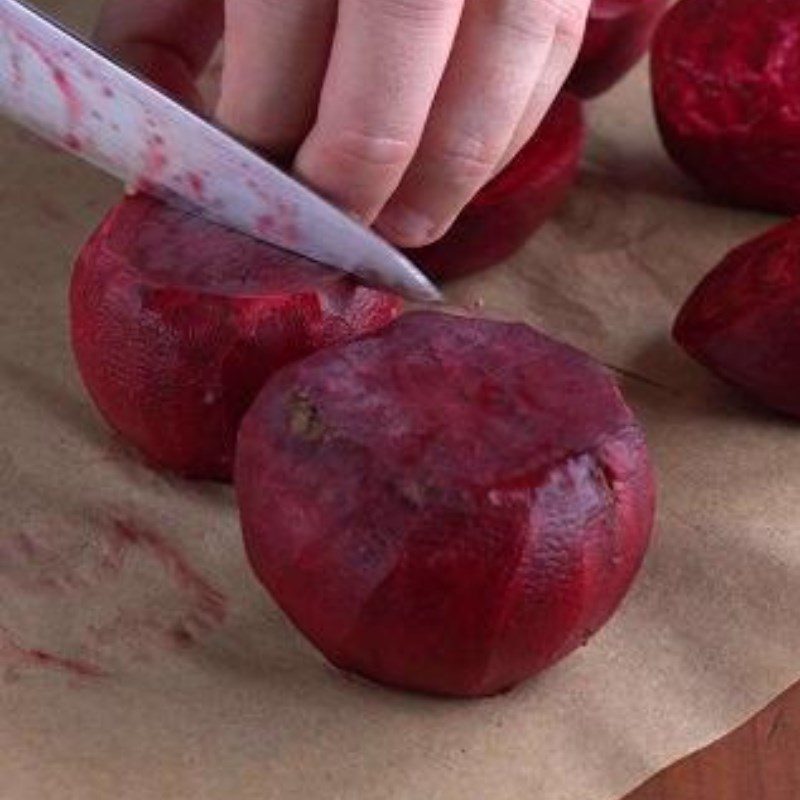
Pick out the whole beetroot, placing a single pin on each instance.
(177, 323)
(501, 217)
(449, 506)
(742, 320)
(726, 86)
(617, 35)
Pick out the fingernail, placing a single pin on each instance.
(405, 226)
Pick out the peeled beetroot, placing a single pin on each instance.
(726, 85)
(177, 323)
(617, 35)
(501, 217)
(742, 320)
(450, 505)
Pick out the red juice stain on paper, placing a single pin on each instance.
(15, 657)
(181, 636)
(76, 666)
(208, 602)
(95, 574)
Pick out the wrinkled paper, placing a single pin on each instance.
(139, 658)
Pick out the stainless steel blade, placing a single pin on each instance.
(60, 87)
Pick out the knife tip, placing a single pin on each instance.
(424, 291)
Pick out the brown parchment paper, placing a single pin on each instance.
(139, 659)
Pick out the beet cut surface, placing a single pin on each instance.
(177, 323)
(726, 87)
(743, 320)
(618, 33)
(450, 505)
(503, 216)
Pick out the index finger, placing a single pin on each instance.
(387, 60)
(276, 52)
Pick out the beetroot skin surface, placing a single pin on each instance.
(449, 506)
(501, 218)
(726, 86)
(618, 33)
(177, 323)
(742, 320)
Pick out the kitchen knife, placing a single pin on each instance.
(64, 90)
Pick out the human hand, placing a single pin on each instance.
(399, 111)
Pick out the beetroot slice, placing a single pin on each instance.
(618, 33)
(742, 320)
(177, 323)
(726, 87)
(501, 217)
(450, 505)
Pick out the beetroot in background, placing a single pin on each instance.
(177, 323)
(743, 320)
(617, 35)
(450, 505)
(726, 87)
(502, 217)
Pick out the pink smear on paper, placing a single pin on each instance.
(207, 601)
(88, 577)
(14, 655)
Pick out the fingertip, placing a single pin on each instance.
(406, 226)
(356, 171)
(276, 57)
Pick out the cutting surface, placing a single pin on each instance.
(139, 658)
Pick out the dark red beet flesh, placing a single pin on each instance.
(449, 506)
(742, 321)
(726, 87)
(501, 217)
(177, 323)
(618, 34)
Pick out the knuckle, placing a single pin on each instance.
(523, 18)
(569, 37)
(535, 20)
(417, 11)
(353, 147)
(563, 12)
(468, 159)
(571, 28)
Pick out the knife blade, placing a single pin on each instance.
(72, 95)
